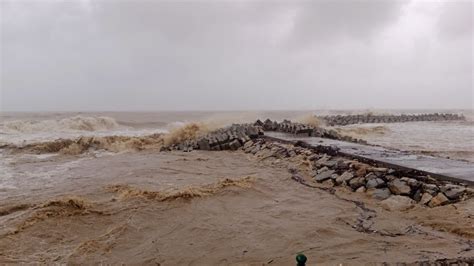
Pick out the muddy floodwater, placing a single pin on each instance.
(119, 199)
(207, 208)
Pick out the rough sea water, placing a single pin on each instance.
(452, 139)
(114, 199)
(447, 138)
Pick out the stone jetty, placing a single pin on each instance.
(396, 189)
(343, 120)
(234, 136)
(300, 129)
(229, 138)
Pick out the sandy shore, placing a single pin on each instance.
(213, 208)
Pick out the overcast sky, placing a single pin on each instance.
(235, 55)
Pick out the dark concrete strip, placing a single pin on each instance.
(440, 168)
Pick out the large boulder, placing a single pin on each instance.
(268, 125)
(379, 193)
(411, 182)
(399, 187)
(248, 144)
(425, 198)
(453, 192)
(252, 132)
(344, 178)
(329, 163)
(397, 203)
(324, 175)
(258, 123)
(375, 183)
(357, 182)
(234, 145)
(430, 188)
(204, 144)
(439, 200)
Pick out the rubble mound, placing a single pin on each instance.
(304, 130)
(234, 136)
(229, 138)
(343, 120)
(396, 189)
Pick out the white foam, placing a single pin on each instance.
(20, 139)
(70, 124)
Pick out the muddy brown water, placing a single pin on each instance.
(110, 209)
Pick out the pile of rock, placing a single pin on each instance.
(381, 183)
(305, 130)
(389, 185)
(233, 137)
(342, 120)
(229, 138)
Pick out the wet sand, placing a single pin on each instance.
(211, 208)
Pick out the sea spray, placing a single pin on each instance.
(189, 131)
(310, 120)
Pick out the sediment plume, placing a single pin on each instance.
(127, 192)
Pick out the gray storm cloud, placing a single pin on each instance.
(160, 55)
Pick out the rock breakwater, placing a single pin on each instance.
(396, 189)
(343, 120)
(229, 138)
(236, 135)
(304, 130)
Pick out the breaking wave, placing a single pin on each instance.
(76, 123)
(113, 143)
(84, 144)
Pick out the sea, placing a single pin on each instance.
(448, 139)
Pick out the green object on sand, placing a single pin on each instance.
(301, 260)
